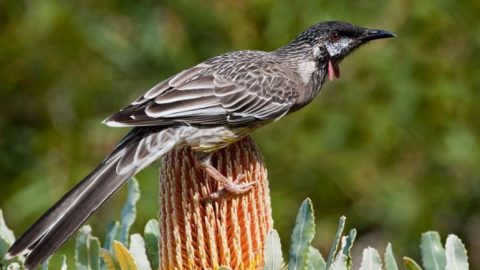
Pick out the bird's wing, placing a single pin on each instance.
(203, 95)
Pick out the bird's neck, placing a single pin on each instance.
(309, 65)
(311, 90)
(293, 52)
(311, 70)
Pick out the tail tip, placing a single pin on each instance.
(11, 254)
(105, 121)
(112, 123)
(8, 256)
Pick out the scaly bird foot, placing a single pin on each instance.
(229, 187)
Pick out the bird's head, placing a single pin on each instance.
(332, 41)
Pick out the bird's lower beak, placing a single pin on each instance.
(373, 34)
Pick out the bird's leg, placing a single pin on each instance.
(229, 187)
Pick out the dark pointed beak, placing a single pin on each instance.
(372, 34)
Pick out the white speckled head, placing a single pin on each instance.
(329, 43)
(337, 38)
(337, 48)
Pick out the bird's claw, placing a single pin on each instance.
(231, 188)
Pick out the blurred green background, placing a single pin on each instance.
(394, 144)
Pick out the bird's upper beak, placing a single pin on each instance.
(372, 34)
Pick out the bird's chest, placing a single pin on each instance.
(212, 139)
(311, 74)
(312, 78)
(306, 70)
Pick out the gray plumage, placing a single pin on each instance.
(206, 107)
(234, 89)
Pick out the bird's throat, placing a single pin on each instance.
(333, 71)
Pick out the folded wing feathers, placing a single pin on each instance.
(180, 107)
(173, 96)
(187, 75)
(153, 92)
(203, 82)
(238, 101)
(195, 96)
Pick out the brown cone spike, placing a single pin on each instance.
(229, 232)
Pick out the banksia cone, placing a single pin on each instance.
(229, 232)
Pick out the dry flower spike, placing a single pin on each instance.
(229, 232)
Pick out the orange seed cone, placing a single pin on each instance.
(229, 232)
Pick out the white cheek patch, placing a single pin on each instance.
(306, 69)
(336, 48)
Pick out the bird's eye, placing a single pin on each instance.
(334, 37)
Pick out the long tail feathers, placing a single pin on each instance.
(138, 149)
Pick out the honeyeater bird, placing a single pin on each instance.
(205, 107)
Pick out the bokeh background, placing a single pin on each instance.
(394, 144)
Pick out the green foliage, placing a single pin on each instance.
(87, 250)
(302, 237)
(434, 256)
(143, 254)
(273, 251)
(138, 251)
(129, 211)
(336, 240)
(390, 262)
(112, 234)
(152, 237)
(124, 257)
(371, 260)
(109, 260)
(456, 253)
(115, 255)
(410, 264)
(315, 260)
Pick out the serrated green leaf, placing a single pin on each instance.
(87, 250)
(433, 254)
(224, 268)
(273, 251)
(315, 260)
(64, 263)
(109, 260)
(371, 260)
(302, 236)
(137, 249)
(390, 262)
(349, 242)
(152, 236)
(347, 246)
(336, 240)
(340, 262)
(6, 236)
(124, 258)
(94, 253)
(410, 264)
(129, 210)
(81, 248)
(113, 231)
(456, 254)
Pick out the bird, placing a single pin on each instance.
(206, 107)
